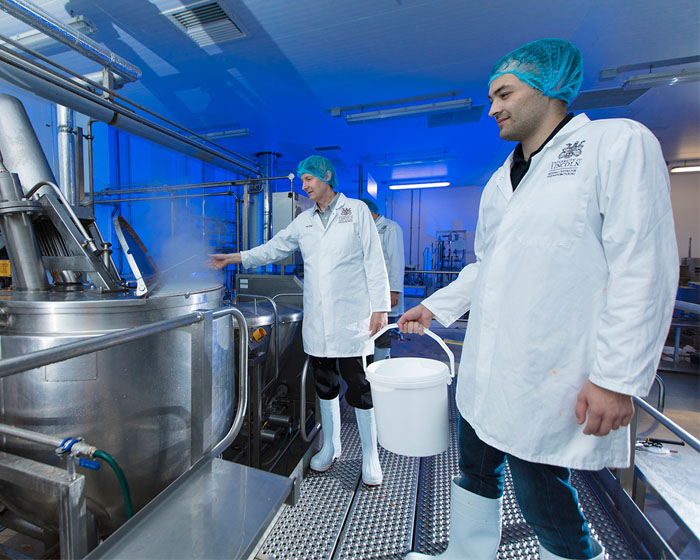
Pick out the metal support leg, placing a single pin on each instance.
(626, 476)
(53, 482)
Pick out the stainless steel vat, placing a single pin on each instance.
(132, 401)
(259, 313)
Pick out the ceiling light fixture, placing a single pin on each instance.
(419, 185)
(652, 79)
(416, 161)
(36, 40)
(409, 111)
(220, 134)
(684, 166)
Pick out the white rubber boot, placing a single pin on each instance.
(381, 353)
(598, 550)
(475, 527)
(330, 423)
(367, 426)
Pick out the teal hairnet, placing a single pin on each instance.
(318, 166)
(371, 205)
(552, 66)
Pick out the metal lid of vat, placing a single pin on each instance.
(144, 268)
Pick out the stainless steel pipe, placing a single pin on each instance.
(18, 364)
(65, 121)
(668, 423)
(47, 24)
(80, 446)
(20, 72)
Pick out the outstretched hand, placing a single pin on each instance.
(220, 260)
(606, 410)
(415, 320)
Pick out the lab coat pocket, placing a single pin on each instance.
(554, 214)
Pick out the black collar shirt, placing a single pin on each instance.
(520, 165)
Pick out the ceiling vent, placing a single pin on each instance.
(207, 23)
(328, 148)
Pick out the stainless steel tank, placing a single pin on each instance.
(132, 401)
(260, 314)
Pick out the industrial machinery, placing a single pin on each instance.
(133, 400)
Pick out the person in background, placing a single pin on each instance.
(392, 246)
(570, 301)
(346, 299)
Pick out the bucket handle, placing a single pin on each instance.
(430, 333)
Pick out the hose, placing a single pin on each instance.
(120, 476)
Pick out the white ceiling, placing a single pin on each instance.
(303, 57)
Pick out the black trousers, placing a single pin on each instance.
(327, 373)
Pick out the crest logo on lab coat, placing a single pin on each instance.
(572, 150)
(345, 215)
(568, 161)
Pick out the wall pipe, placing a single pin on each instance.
(47, 24)
(22, 72)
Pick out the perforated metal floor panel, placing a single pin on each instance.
(338, 517)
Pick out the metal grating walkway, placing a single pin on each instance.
(338, 517)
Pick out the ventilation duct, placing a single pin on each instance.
(206, 23)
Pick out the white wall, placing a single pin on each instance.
(423, 212)
(685, 200)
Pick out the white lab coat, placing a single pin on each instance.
(392, 246)
(345, 279)
(575, 279)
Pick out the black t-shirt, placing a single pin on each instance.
(520, 165)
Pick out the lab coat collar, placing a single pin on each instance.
(504, 184)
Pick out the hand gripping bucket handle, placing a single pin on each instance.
(430, 333)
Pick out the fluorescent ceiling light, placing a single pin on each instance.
(235, 133)
(37, 41)
(409, 111)
(643, 81)
(684, 165)
(685, 169)
(416, 161)
(419, 186)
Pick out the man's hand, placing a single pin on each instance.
(415, 319)
(377, 322)
(394, 298)
(220, 260)
(607, 410)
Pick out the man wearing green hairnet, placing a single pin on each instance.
(570, 301)
(346, 300)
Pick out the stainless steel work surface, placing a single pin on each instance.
(217, 510)
(674, 477)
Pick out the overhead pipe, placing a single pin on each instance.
(47, 24)
(23, 73)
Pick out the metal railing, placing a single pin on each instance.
(69, 486)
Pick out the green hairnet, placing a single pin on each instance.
(552, 66)
(371, 205)
(318, 166)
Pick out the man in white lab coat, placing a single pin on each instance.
(346, 299)
(391, 237)
(570, 302)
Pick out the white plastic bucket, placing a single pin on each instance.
(411, 401)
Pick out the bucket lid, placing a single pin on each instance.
(408, 373)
